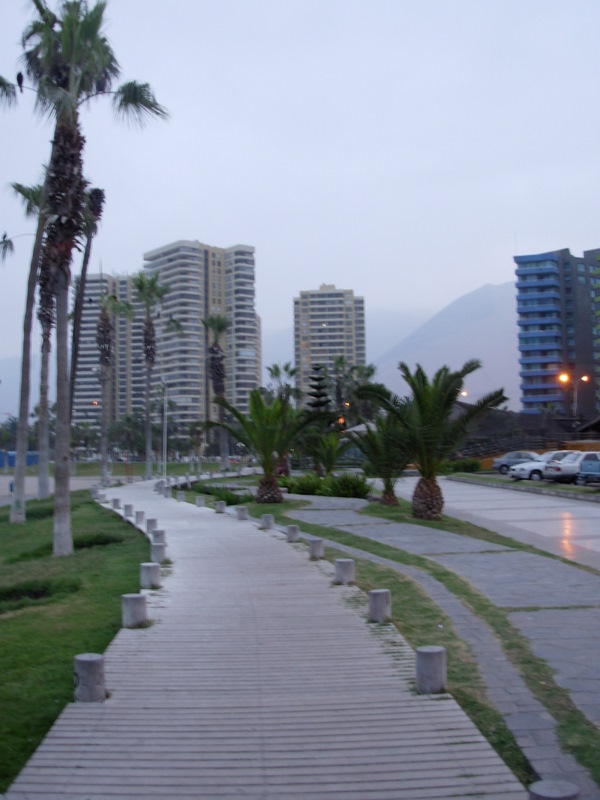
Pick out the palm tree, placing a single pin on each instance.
(150, 294)
(104, 339)
(30, 197)
(284, 382)
(268, 431)
(6, 247)
(330, 448)
(217, 325)
(435, 425)
(69, 61)
(386, 446)
(92, 215)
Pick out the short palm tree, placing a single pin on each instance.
(329, 449)
(150, 294)
(69, 61)
(267, 432)
(386, 446)
(435, 425)
(216, 325)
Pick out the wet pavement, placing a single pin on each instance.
(555, 604)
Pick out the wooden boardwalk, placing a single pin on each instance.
(258, 679)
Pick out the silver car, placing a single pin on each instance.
(535, 470)
(503, 463)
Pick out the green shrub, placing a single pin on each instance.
(350, 484)
(344, 485)
(231, 497)
(461, 465)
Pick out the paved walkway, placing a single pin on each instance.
(258, 679)
(555, 605)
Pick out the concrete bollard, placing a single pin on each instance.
(344, 571)
(242, 512)
(149, 575)
(139, 517)
(133, 610)
(221, 505)
(167, 491)
(380, 605)
(266, 522)
(317, 549)
(187, 480)
(116, 503)
(200, 501)
(158, 552)
(553, 790)
(89, 678)
(151, 525)
(159, 537)
(431, 669)
(293, 533)
(128, 510)
(101, 498)
(158, 485)
(180, 497)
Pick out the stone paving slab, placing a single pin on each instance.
(574, 654)
(415, 539)
(258, 679)
(519, 580)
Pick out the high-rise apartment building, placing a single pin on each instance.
(558, 298)
(328, 323)
(202, 281)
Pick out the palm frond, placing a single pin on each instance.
(30, 197)
(135, 101)
(8, 92)
(6, 247)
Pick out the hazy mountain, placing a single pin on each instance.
(482, 325)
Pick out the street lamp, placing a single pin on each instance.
(565, 378)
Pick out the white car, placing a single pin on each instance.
(567, 470)
(536, 470)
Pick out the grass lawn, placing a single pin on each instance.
(51, 609)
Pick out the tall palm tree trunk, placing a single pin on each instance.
(44, 427)
(77, 315)
(17, 511)
(104, 426)
(63, 540)
(148, 423)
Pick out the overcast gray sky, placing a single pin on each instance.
(403, 149)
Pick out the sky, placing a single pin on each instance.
(405, 149)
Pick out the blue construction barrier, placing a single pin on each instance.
(32, 458)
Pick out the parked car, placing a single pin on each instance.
(589, 472)
(567, 470)
(503, 463)
(534, 470)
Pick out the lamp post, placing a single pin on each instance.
(565, 378)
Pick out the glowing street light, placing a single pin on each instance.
(565, 378)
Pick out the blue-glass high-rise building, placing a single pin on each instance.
(558, 332)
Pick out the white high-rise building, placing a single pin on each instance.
(202, 281)
(328, 323)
